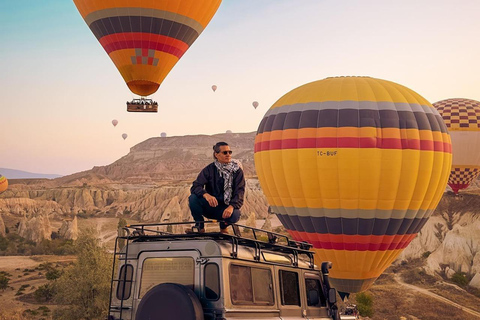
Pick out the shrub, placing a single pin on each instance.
(4, 281)
(426, 254)
(84, 287)
(460, 279)
(44, 293)
(364, 304)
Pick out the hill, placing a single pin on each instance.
(19, 174)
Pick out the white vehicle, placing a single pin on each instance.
(217, 276)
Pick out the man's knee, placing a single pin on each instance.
(235, 216)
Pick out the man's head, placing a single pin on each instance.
(222, 152)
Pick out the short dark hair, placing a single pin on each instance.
(216, 147)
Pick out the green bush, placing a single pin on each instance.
(4, 281)
(426, 254)
(364, 304)
(44, 293)
(460, 279)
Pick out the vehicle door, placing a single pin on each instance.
(154, 268)
(316, 302)
(289, 293)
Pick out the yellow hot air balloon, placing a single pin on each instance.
(3, 183)
(462, 117)
(355, 166)
(145, 39)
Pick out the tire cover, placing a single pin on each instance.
(169, 301)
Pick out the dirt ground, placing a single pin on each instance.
(24, 272)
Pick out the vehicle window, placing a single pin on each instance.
(289, 288)
(314, 284)
(125, 277)
(241, 284)
(262, 286)
(212, 281)
(162, 270)
(251, 285)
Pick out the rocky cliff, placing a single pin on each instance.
(451, 239)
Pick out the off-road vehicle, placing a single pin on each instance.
(215, 276)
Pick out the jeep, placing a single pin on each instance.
(216, 276)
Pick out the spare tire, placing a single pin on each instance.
(170, 301)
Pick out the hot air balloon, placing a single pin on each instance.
(228, 131)
(145, 39)
(214, 88)
(255, 104)
(354, 166)
(163, 135)
(114, 122)
(462, 117)
(3, 183)
(124, 136)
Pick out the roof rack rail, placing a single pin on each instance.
(274, 241)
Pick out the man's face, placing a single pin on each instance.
(225, 154)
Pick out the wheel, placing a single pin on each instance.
(169, 301)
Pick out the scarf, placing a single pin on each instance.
(226, 171)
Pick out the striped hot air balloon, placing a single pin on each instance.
(462, 117)
(355, 166)
(145, 39)
(3, 183)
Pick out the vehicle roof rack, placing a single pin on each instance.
(274, 241)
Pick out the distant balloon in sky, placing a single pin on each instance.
(144, 38)
(214, 88)
(354, 166)
(229, 131)
(114, 122)
(163, 135)
(3, 183)
(255, 104)
(124, 136)
(462, 117)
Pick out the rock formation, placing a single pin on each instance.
(35, 229)
(2, 227)
(69, 229)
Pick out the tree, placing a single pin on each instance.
(84, 287)
(364, 304)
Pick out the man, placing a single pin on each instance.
(218, 191)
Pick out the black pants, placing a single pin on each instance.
(200, 208)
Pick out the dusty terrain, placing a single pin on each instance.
(26, 273)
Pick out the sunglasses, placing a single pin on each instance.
(226, 152)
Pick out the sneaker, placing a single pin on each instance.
(194, 230)
(224, 231)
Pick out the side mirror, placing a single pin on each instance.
(313, 298)
(332, 296)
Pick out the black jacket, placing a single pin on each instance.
(209, 181)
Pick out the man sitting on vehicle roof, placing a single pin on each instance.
(218, 191)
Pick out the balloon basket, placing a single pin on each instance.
(142, 105)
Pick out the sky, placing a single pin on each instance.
(59, 90)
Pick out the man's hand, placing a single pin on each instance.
(227, 213)
(212, 201)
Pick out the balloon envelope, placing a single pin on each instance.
(462, 117)
(3, 183)
(114, 122)
(255, 104)
(214, 88)
(163, 135)
(124, 136)
(145, 39)
(355, 166)
(228, 131)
